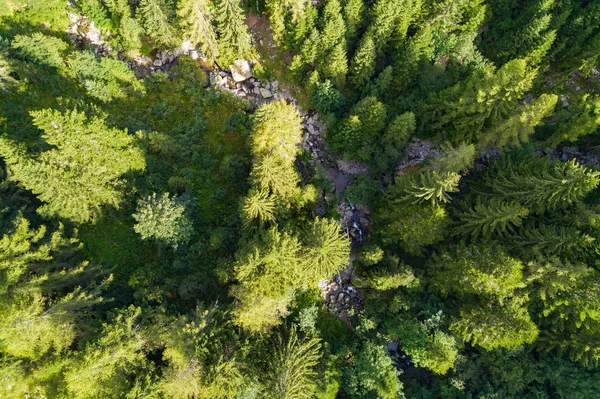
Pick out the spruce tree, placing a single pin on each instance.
(163, 219)
(520, 127)
(327, 249)
(289, 370)
(462, 112)
(268, 270)
(544, 241)
(84, 170)
(539, 184)
(491, 326)
(480, 270)
(429, 186)
(156, 23)
(363, 62)
(195, 18)
(354, 16)
(40, 49)
(580, 120)
(234, 38)
(489, 219)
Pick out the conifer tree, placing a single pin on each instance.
(463, 111)
(40, 49)
(354, 16)
(490, 219)
(521, 32)
(414, 227)
(195, 18)
(234, 39)
(520, 127)
(327, 250)
(546, 241)
(363, 62)
(289, 370)
(163, 219)
(478, 270)
(491, 326)
(582, 119)
(84, 170)
(268, 270)
(155, 21)
(259, 206)
(429, 186)
(456, 160)
(277, 10)
(540, 184)
(108, 367)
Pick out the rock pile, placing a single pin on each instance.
(82, 31)
(343, 300)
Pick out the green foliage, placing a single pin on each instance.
(84, 170)
(155, 20)
(414, 227)
(440, 353)
(326, 98)
(40, 49)
(105, 79)
(267, 269)
(478, 270)
(427, 187)
(327, 249)
(539, 184)
(195, 18)
(487, 220)
(372, 374)
(234, 39)
(289, 370)
(163, 219)
(582, 120)
(454, 160)
(492, 326)
(106, 367)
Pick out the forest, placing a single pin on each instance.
(300, 199)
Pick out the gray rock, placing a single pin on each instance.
(194, 54)
(266, 93)
(392, 347)
(275, 85)
(240, 70)
(157, 63)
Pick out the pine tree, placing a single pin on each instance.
(289, 370)
(327, 250)
(268, 269)
(539, 184)
(363, 62)
(332, 61)
(581, 120)
(546, 241)
(163, 219)
(491, 326)
(234, 39)
(195, 18)
(520, 127)
(429, 186)
(489, 219)
(155, 21)
(354, 16)
(84, 170)
(40, 49)
(478, 270)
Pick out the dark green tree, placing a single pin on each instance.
(84, 170)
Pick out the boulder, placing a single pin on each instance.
(240, 70)
(266, 93)
(194, 54)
